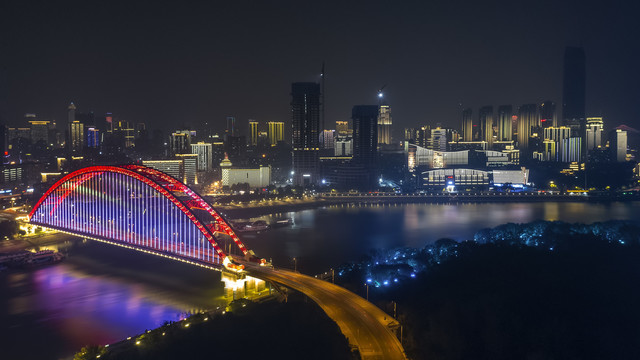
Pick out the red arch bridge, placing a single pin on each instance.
(144, 209)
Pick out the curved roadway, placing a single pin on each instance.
(364, 324)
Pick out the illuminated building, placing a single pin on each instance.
(384, 125)
(328, 139)
(182, 168)
(548, 115)
(618, 145)
(467, 125)
(342, 128)
(253, 133)
(439, 139)
(190, 164)
(505, 112)
(485, 118)
(231, 129)
(256, 177)
(205, 155)
(39, 131)
(180, 142)
(343, 146)
(365, 137)
(125, 132)
(594, 132)
(571, 150)
(528, 122)
(275, 132)
(93, 137)
(305, 121)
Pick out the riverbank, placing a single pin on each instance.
(257, 208)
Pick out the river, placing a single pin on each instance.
(102, 293)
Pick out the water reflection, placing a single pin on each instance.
(328, 237)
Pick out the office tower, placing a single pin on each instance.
(305, 124)
(342, 128)
(467, 125)
(548, 114)
(180, 142)
(71, 113)
(410, 135)
(190, 164)
(505, 133)
(108, 119)
(343, 146)
(327, 140)
(39, 131)
(485, 118)
(528, 121)
(574, 87)
(618, 145)
(594, 132)
(439, 139)
(231, 129)
(384, 125)
(253, 133)
(570, 150)
(365, 135)
(205, 155)
(93, 137)
(276, 132)
(125, 133)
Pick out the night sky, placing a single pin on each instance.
(166, 64)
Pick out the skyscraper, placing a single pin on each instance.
(365, 135)
(485, 117)
(231, 129)
(574, 85)
(528, 121)
(384, 125)
(205, 155)
(253, 133)
(467, 125)
(594, 132)
(180, 142)
(505, 112)
(618, 145)
(548, 115)
(276, 132)
(305, 124)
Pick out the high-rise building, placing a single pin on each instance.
(231, 129)
(528, 121)
(548, 115)
(305, 124)
(384, 125)
(93, 137)
(439, 139)
(342, 128)
(574, 87)
(570, 150)
(205, 155)
(343, 146)
(76, 136)
(71, 113)
(594, 132)
(276, 132)
(467, 125)
(485, 118)
(365, 135)
(505, 112)
(328, 137)
(618, 145)
(253, 133)
(40, 131)
(125, 133)
(180, 142)
(190, 162)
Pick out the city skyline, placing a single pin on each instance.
(133, 74)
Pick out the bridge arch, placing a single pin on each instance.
(136, 206)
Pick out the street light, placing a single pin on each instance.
(367, 286)
(295, 265)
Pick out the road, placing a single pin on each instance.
(363, 323)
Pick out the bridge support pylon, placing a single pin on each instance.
(239, 285)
